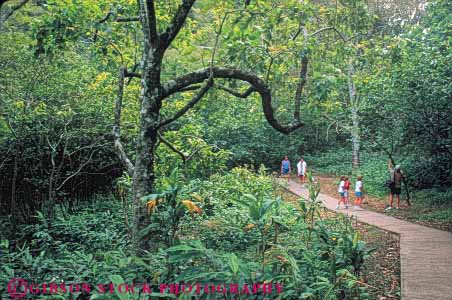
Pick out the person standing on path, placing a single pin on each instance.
(301, 170)
(341, 193)
(359, 189)
(286, 168)
(396, 185)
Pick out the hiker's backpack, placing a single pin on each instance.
(389, 183)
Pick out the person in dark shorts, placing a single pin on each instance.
(396, 185)
(286, 168)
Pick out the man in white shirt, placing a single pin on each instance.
(301, 169)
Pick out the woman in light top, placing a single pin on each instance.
(341, 193)
(359, 189)
(301, 170)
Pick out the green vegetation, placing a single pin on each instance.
(138, 137)
(238, 238)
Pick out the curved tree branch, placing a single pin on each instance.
(191, 88)
(132, 74)
(173, 86)
(172, 147)
(330, 28)
(206, 86)
(107, 16)
(117, 125)
(245, 94)
(185, 158)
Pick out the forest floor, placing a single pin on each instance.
(382, 269)
(416, 213)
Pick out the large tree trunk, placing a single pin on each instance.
(143, 176)
(143, 184)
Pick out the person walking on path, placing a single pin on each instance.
(395, 185)
(359, 189)
(286, 168)
(301, 170)
(346, 193)
(341, 193)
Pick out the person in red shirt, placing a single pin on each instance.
(346, 194)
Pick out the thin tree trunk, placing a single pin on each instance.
(51, 192)
(355, 132)
(13, 207)
(356, 139)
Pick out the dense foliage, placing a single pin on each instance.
(245, 234)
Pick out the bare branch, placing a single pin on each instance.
(185, 158)
(330, 28)
(86, 147)
(76, 172)
(105, 19)
(172, 147)
(132, 74)
(328, 129)
(134, 68)
(110, 43)
(127, 19)
(206, 86)
(338, 123)
(117, 19)
(190, 88)
(245, 94)
(5, 156)
(117, 125)
(196, 151)
(152, 21)
(177, 22)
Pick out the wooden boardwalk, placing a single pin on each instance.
(425, 253)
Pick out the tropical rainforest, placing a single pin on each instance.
(141, 141)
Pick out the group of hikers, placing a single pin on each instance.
(394, 184)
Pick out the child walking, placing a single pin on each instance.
(341, 192)
(359, 192)
(346, 194)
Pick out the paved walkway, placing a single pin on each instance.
(425, 253)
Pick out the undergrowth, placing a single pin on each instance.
(232, 228)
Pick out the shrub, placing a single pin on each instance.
(245, 234)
